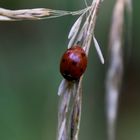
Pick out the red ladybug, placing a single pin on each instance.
(73, 63)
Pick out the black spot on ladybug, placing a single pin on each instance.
(74, 63)
(83, 54)
(63, 60)
(68, 53)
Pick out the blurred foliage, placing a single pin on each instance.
(29, 76)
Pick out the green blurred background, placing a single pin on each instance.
(29, 75)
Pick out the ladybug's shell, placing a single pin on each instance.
(73, 63)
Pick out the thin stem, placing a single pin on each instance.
(115, 68)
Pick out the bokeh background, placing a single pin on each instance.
(30, 52)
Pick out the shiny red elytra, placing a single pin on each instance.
(73, 63)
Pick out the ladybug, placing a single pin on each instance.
(73, 63)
